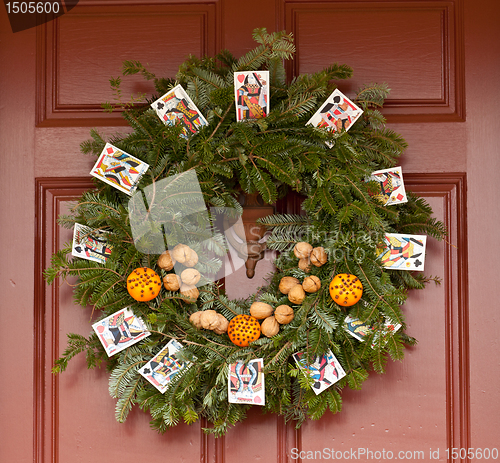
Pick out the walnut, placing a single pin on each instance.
(302, 250)
(190, 292)
(318, 256)
(287, 283)
(311, 284)
(181, 253)
(283, 314)
(165, 261)
(172, 282)
(270, 327)
(296, 295)
(305, 264)
(195, 319)
(190, 276)
(193, 259)
(261, 310)
(209, 319)
(222, 324)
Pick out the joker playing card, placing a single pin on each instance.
(337, 113)
(251, 92)
(160, 370)
(90, 244)
(402, 252)
(325, 370)
(120, 330)
(391, 189)
(119, 169)
(246, 383)
(176, 107)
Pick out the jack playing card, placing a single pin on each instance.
(176, 107)
(251, 89)
(246, 383)
(325, 370)
(160, 370)
(402, 252)
(391, 186)
(90, 244)
(119, 169)
(120, 330)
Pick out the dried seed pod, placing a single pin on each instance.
(287, 283)
(172, 282)
(305, 264)
(190, 276)
(181, 253)
(222, 324)
(166, 261)
(195, 319)
(296, 295)
(318, 256)
(261, 310)
(284, 314)
(190, 292)
(311, 284)
(270, 327)
(302, 250)
(193, 259)
(209, 319)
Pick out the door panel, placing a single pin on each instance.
(441, 60)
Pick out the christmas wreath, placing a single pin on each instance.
(152, 242)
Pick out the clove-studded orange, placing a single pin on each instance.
(143, 284)
(243, 329)
(346, 289)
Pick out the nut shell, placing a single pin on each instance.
(243, 329)
(311, 284)
(305, 264)
(193, 259)
(143, 284)
(318, 256)
(261, 310)
(166, 261)
(346, 289)
(209, 319)
(181, 253)
(296, 295)
(195, 319)
(284, 314)
(190, 276)
(190, 292)
(172, 282)
(270, 327)
(302, 250)
(222, 324)
(287, 283)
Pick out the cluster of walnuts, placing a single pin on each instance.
(308, 256)
(209, 320)
(189, 277)
(272, 318)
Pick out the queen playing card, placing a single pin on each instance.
(251, 89)
(90, 244)
(402, 252)
(175, 107)
(119, 169)
(120, 330)
(160, 370)
(337, 113)
(325, 370)
(391, 188)
(246, 383)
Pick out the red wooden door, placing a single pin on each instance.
(440, 57)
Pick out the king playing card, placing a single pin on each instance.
(119, 169)
(402, 252)
(251, 92)
(391, 188)
(246, 383)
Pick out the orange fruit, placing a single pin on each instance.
(143, 284)
(346, 289)
(243, 329)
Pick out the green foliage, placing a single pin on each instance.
(271, 157)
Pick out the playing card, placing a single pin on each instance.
(325, 370)
(175, 107)
(90, 244)
(120, 330)
(119, 169)
(402, 252)
(337, 113)
(360, 330)
(391, 186)
(246, 383)
(251, 92)
(160, 370)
